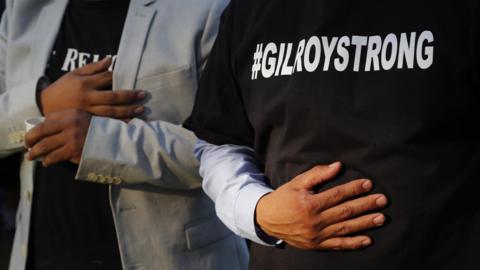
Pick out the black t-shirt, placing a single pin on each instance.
(72, 225)
(391, 89)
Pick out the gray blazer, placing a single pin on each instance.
(162, 217)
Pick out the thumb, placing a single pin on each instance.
(95, 67)
(317, 175)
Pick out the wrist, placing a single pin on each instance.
(259, 223)
(262, 231)
(42, 84)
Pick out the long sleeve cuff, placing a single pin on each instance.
(244, 212)
(94, 156)
(234, 182)
(156, 152)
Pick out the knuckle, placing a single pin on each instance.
(311, 241)
(342, 230)
(302, 180)
(307, 206)
(322, 222)
(357, 189)
(337, 194)
(346, 211)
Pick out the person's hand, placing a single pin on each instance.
(322, 221)
(59, 138)
(80, 89)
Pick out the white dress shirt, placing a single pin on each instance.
(232, 179)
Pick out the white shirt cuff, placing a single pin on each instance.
(244, 212)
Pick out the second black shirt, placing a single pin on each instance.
(72, 225)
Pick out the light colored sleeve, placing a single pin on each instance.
(232, 179)
(17, 102)
(157, 152)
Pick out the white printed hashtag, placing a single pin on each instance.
(257, 61)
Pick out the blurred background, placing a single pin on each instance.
(9, 191)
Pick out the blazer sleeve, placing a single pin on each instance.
(17, 102)
(156, 152)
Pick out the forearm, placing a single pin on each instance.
(157, 153)
(232, 179)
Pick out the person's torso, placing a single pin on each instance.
(162, 51)
(391, 90)
(72, 223)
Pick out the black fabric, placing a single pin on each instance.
(72, 225)
(411, 129)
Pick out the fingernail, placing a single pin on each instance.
(379, 220)
(138, 110)
(333, 165)
(141, 94)
(367, 185)
(366, 242)
(381, 201)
